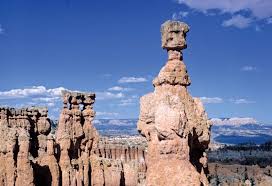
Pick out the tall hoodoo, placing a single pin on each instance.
(76, 137)
(174, 124)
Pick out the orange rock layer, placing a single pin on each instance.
(76, 156)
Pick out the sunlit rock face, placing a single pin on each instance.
(87, 159)
(26, 148)
(122, 161)
(75, 156)
(84, 158)
(76, 138)
(175, 124)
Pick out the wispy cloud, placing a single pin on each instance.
(51, 98)
(48, 101)
(127, 102)
(209, 100)
(254, 11)
(108, 95)
(248, 68)
(107, 114)
(31, 92)
(132, 80)
(32, 96)
(119, 88)
(238, 21)
(179, 15)
(242, 101)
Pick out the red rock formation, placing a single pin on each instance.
(26, 150)
(76, 137)
(124, 160)
(174, 124)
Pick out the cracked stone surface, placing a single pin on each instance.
(173, 122)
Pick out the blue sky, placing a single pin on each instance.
(113, 48)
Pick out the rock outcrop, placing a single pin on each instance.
(30, 155)
(175, 124)
(123, 161)
(26, 148)
(76, 138)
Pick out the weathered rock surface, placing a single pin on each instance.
(26, 148)
(30, 155)
(123, 161)
(76, 137)
(174, 124)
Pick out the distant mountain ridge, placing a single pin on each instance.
(233, 121)
(224, 130)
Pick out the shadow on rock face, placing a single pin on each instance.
(42, 175)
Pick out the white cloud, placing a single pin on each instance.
(32, 96)
(118, 88)
(132, 80)
(211, 100)
(238, 21)
(248, 68)
(241, 101)
(108, 95)
(254, 9)
(127, 102)
(51, 104)
(107, 114)
(29, 92)
(179, 15)
(46, 99)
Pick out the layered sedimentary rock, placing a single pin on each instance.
(123, 161)
(26, 148)
(174, 124)
(30, 155)
(76, 138)
(84, 158)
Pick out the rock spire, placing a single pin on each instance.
(175, 124)
(76, 137)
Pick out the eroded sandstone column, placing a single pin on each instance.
(77, 138)
(174, 124)
(26, 158)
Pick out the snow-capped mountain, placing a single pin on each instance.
(233, 121)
